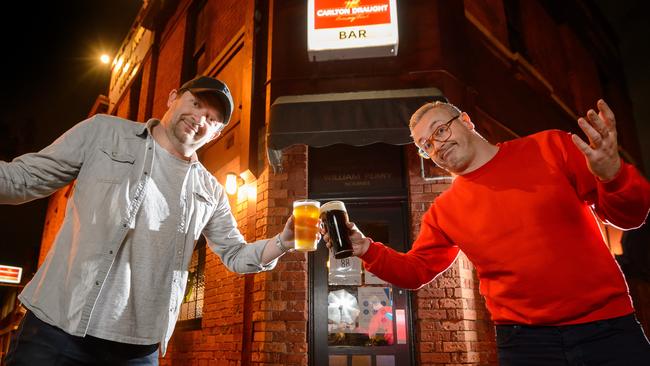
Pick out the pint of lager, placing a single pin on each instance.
(335, 219)
(305, 215)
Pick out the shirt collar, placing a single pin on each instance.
(146, 127)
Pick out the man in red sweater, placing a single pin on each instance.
(522, 211)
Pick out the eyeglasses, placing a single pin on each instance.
(441, 134)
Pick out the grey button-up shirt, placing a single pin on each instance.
(112, 159)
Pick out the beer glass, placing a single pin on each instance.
(335, 219)
(305, 215)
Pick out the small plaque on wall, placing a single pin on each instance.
(432, 173)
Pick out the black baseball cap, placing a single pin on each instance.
(206, 84)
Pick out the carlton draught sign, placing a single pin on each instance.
(340, 29)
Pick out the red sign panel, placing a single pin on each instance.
(10, 274)
(350, 13)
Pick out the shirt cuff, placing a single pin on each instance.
(269, 266)
(373, 252)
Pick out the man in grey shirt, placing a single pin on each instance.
(110, 289)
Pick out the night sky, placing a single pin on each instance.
(52, 77)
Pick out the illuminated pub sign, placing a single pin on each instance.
(342, 29)
(9, 274)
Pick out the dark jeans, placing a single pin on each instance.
(617, 341)
(38, 343)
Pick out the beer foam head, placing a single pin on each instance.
(306, 203)
(332, 205)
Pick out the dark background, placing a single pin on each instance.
(52, 76)
(629, 21)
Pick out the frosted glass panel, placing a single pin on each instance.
(360, 316)
(338, 360)
(385, 360)
(361, 360)
(346, 271)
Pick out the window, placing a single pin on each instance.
(191, 311)
(194, 57)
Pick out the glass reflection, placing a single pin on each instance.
(342, 311)
(360, 316)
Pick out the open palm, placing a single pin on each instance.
(602, 151)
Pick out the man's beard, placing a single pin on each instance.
(180, 133)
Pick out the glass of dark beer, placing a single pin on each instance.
(335, 219)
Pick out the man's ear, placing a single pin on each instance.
(464, 117)
(172, 97)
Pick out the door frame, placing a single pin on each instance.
(317, 344)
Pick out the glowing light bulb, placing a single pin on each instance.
(252, 191)
(231, 183)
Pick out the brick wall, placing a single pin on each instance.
(280, 309)
(122, 107)
(170, 61)
(147, 69)
(53, 219)
(218, 342)
(226, 19)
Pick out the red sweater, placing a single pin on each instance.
(525, 221)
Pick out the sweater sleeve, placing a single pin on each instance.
(623, 201)
(432, 254)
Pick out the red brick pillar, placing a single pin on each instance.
(54, 219)
(280, 310)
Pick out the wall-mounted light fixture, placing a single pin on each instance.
(242, 184)
(231, 183)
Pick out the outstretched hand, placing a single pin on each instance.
(602, 151)
(360, 243)
(287, 234)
